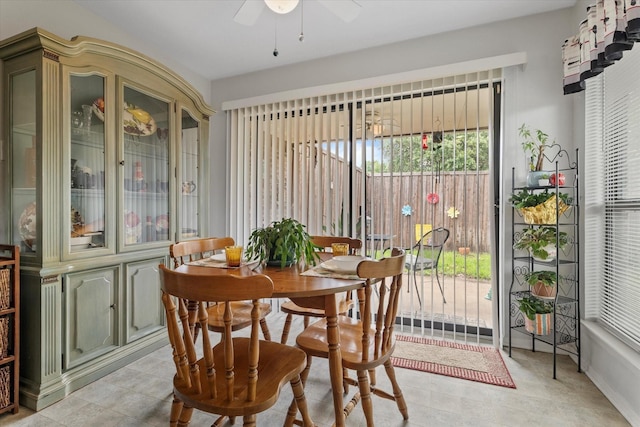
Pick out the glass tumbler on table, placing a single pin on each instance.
(233, 255)
(339, 249)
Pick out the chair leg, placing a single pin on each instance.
(397, 393)
(440, 285)
(303, 380)
(305, 372)
(176, 409)
(286, 328)
(306, 322)
(415, 284)
(345, 383)
(301, 402)
(265, 329)
(372, 377)
(249, 420)
(221, 420)
(185, 416)
(365, 396)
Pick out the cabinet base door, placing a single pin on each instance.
(144, 307)
(90, 315)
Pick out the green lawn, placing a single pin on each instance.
(474, 266)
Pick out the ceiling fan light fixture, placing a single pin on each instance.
(282, 6)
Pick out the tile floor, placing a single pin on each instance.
(140, 395)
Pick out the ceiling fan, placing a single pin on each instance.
(250, 11)
(378, 125)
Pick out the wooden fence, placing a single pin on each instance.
(468, 193)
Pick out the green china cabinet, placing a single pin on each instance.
(103, 164)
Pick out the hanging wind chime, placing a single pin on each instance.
(435, 147)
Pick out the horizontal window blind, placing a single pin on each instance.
(594, 198)
(613, 204)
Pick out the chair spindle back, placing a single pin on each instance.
(192, 293)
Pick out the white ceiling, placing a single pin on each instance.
(203, 35)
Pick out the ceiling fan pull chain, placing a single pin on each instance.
(275, 41)
(301, 36)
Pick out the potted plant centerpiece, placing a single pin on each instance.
(541, 242)
(538, 315)
(534, 145)
(540, 207)
(282, 243)
(543, 283)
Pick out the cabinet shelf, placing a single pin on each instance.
(548, 263)
(145, 195)
(560, 341)
(6, 361)
(565, 333)
(7, 311)
(559, 224)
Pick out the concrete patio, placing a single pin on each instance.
(466, 298)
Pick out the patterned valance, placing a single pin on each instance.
(610, 28)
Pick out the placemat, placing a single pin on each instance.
(208, 262)
(319, 271)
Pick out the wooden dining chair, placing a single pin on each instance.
(368, 341)
(193, 250)
(293, 309)
(239, 376)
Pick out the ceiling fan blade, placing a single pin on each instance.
(347, 10)
(249, 12)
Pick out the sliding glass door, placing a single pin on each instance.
(386, 165)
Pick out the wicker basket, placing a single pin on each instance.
(5, 387)
(5, 288)
(4, 337)
(544, 213)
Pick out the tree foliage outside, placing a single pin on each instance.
(458, 152)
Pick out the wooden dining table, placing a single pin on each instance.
(306, 291)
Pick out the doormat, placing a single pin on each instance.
(469, 362)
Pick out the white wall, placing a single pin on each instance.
(532, 94)
(536, 94)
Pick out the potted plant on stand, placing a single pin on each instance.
(543, 283)
(282, 243)
(541, 207)
(538, 315)
(534, 145)
(542, 242)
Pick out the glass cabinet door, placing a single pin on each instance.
(87, 162)
(22, 115)
(146, 134)
(189, 207)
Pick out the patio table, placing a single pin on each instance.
(379, 241)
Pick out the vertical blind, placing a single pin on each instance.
(612, 283)
(312, 158)
(291, 159)
(375, 164)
